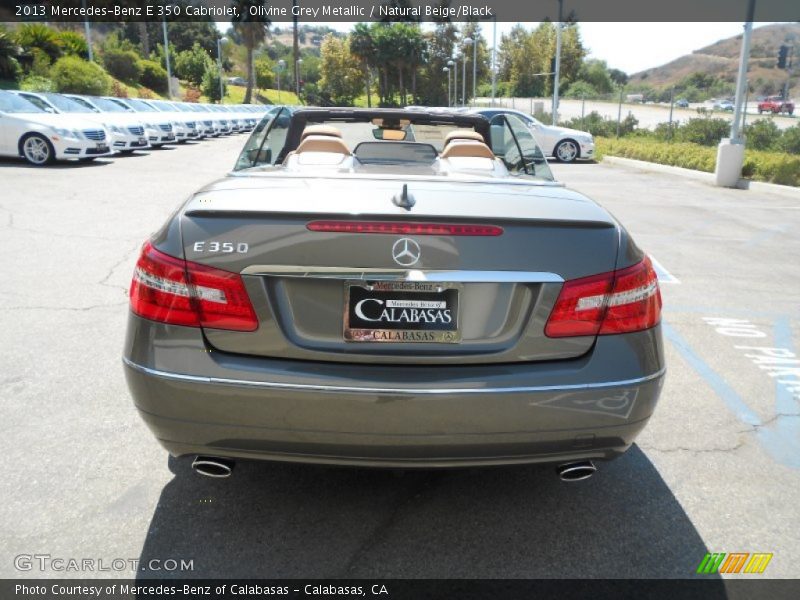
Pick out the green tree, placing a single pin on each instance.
(123, 64)
(73, 43)
(341, 80)
(362, 48)
(790, 140)
(253, 31)
(762, 134)
(432, 86)
(210, 85)
(265, 72)
(73, 75)
(472, 31)
(154, 76)
(38, 35)
(10, 53)
(192, 64)
(595, 73)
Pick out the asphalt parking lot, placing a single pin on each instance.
(717, 469)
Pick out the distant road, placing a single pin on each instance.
(649, 115)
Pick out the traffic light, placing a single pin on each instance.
(783, 54)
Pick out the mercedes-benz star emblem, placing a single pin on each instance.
(406, 252)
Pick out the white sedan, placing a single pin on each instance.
(563, 144)
(41, 137)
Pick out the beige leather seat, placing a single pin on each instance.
(322, 143)
(320, 130)
(463, 134)
(467, 148)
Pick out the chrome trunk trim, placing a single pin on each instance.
(306, 387)
(373, 274)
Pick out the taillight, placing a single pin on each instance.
(179, 292)
(617, 302)
(404, 228)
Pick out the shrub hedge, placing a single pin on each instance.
(772, 167)
(73, 75)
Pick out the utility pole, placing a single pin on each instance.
(451, 65)
(730, 152)
(166, 57)
(447, 70)
(558, 62)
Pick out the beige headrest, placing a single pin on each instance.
(459, 148)
(320, 130)
(322, 143)
(463, 134)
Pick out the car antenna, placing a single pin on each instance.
(404, 200)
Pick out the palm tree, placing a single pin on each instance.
(9, 53)
(362, 46)
(253, 31)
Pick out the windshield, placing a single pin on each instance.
(163, 106)
(11, 103)
(139, 106)
(67, 105)
(108, 105)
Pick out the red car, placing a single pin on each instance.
(775, 104)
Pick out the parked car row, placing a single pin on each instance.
(43, 127)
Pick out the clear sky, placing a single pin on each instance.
(630, 47)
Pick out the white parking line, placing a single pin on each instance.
(664, 276)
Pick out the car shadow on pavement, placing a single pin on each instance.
(7, 162)
(295, 521)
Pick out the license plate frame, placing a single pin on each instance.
(401, 297)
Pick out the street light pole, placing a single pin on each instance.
(730, 152)
(494, 57)
(467, 42)
(281, 67)
(455, 81)
(558, 63)
(297, 76)
(88, 31)
(219, 65)
(450, 66)
(166, 57)
(474, 68)
(741, 81)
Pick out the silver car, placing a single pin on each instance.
(393, 288)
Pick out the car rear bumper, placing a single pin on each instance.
(199, 401)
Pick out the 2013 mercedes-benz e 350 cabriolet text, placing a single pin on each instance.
(393, 288)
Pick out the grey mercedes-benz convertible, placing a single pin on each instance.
(393, 288)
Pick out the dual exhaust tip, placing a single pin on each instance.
(211, 466)
(222, 468)
(576, 471)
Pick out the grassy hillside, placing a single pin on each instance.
(721, 60)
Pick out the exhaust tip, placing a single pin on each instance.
(576, 471)
(211, 466)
